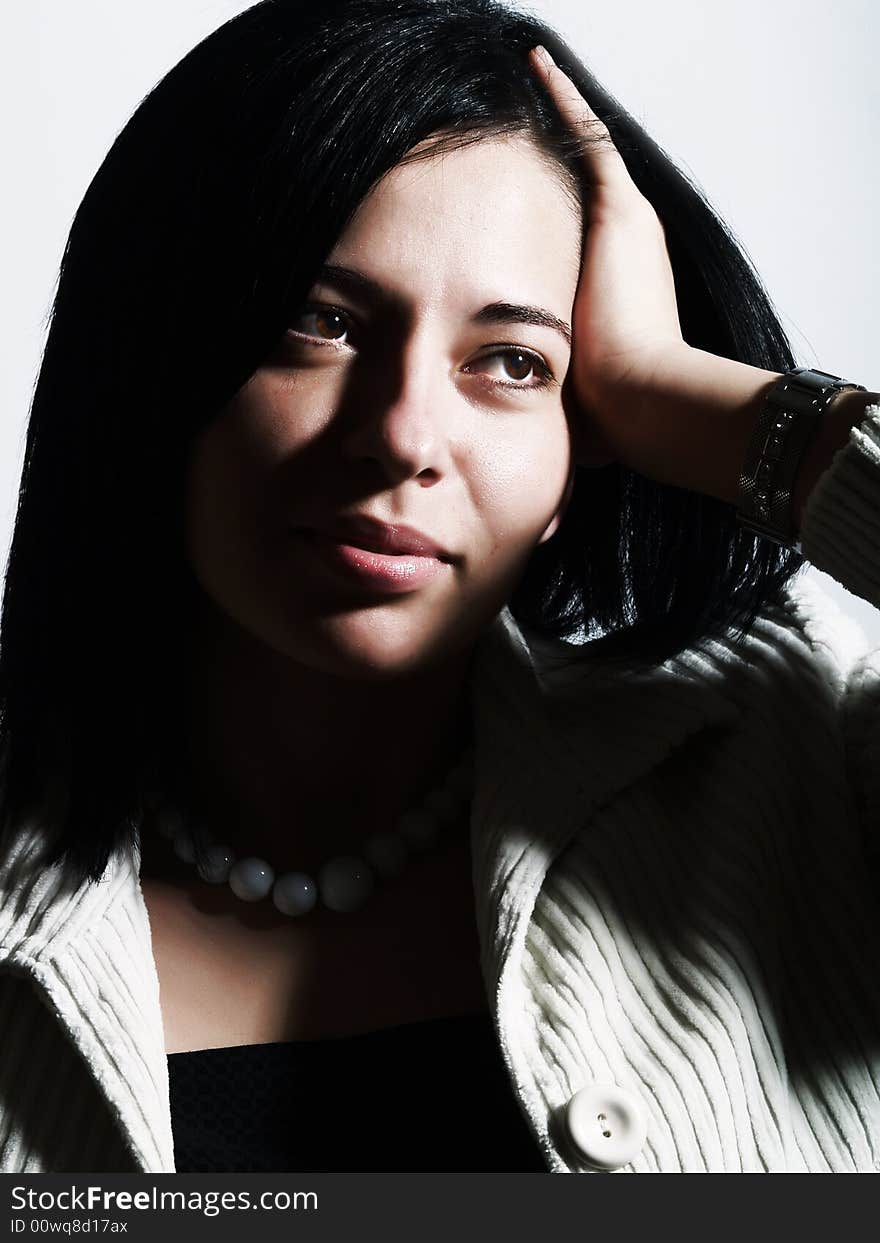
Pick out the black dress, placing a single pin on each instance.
(424, 1097)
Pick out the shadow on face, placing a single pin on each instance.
(419, 385)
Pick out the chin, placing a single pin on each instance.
(370, 644)
(378, 640)
(385, 647)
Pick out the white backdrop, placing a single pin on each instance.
(771, 106)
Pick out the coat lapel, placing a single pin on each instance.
(89, 954)
(552, 745)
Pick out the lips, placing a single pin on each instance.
(392, 539)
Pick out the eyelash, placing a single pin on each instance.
(543, 379)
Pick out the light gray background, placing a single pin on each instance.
(770, 105)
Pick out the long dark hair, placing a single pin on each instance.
(201, 232)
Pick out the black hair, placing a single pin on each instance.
(201, 231)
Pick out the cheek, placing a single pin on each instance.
(269, 423)
(227, 501)
(522, 481)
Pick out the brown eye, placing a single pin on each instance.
(518, 365)
(521, 363)
(328, 321)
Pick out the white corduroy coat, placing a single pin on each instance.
(676, 888)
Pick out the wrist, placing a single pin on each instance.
(697, 418)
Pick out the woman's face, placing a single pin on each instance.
(401, 396)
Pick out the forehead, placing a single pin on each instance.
(480, 215)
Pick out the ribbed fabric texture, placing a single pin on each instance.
(674, 894)
(88, 955)
(53, 1115)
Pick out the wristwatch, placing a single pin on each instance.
(786, 425)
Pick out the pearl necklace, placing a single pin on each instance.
(343, 883)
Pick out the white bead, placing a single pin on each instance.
(294, 893)
(345, 883)
(419, 829)
(443, 805)
(183, 845)
(218, 861)
(386, 853)
(251, 879)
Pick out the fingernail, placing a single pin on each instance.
(543, 55)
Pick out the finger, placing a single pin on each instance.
(603, 161)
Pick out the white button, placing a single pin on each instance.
(606, 1125)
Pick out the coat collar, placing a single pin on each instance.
(88, 952)
(553, 744)
(550, 746)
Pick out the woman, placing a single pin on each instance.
(384, 372)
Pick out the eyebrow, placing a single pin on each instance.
(356, 283)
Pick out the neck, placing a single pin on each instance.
(295, 765)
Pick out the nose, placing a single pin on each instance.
(399, 428)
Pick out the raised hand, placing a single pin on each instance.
(625, 319)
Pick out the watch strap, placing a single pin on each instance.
(785, 427)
